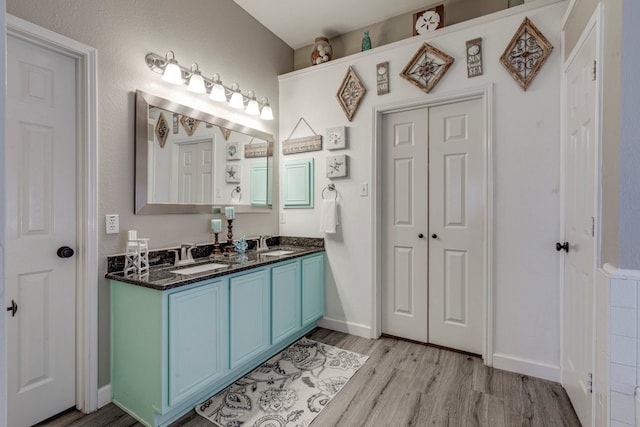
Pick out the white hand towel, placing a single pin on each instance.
(329, 216)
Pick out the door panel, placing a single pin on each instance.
(456, 218)
(249, 316)
(579, 262)
(41, 217)
(404, 253)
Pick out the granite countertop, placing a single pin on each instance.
(160, 276)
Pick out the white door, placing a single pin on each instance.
(41, 209)
(195, 172)
(432, 185)
(404, 225)
(579, 208)
(456, 218)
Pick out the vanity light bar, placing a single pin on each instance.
(177, 74)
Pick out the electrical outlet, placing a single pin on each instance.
(113, 223)
(283, 218)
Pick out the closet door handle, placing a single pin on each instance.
(434, 236)
(562, 246)
(420, 236)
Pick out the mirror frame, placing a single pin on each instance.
(142, 204)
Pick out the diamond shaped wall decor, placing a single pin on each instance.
(427, 67)
(526, 53)
(162, 130)
(350, 93)
(190, 124)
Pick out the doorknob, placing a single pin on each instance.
(65, 252)
(420, 236)
(434, 236)
(562, 246)
(13, 309)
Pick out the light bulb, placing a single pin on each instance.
(267, 112)
(236, 100)
(172, 73)
(253, 107)
(218, 93)
(196, 82)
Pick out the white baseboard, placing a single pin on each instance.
(104, 396)
(346, 327)
(527, 367)
(620, 273)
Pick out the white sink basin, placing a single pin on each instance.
(199, 268)
(280, 252)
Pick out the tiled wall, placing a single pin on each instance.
(624, 321)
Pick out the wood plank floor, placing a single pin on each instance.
(407, 384)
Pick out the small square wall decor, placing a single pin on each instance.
(233, 151)
(526, 53)
(337, 138)
(427, 67)
(337, 166)
(232, 173)
(350, 93)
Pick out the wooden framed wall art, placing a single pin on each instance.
(526, 53)
(427, 67)
(350, 93)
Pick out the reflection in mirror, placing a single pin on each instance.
(188, 161)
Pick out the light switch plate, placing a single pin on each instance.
(283, 218)
(364, 189)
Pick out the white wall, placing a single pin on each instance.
(526, 175)
(222, 38)
(3, 97)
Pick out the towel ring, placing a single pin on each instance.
(237, 191)
(330, 187)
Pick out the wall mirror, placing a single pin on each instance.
(188, 161)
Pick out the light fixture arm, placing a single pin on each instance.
(157, 63)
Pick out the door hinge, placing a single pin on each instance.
(590, 382)
(593, 71)
(593, 226)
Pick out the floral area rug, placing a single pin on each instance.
(288, 390)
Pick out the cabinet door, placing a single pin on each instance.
(285, 300)
(249, 316)
(297, 183)
(198, 324)
(312, 288)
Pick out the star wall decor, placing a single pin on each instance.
(350, 93)
(526, 53)
(427, 67)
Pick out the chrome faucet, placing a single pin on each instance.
(185, 256)
(262, 244)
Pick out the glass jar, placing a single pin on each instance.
(321, 51)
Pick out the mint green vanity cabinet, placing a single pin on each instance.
(167, 346)
(198, 325)
(250, 310)
(285, 300)
(172, 349)
(312, 288)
